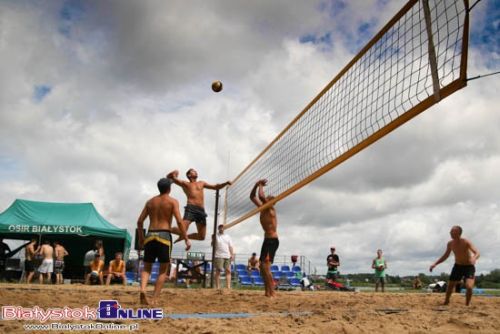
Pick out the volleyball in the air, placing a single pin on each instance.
(217, 86)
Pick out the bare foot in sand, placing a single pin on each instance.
(143, 299)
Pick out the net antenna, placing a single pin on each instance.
(417, 59)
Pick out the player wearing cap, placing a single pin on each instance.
(158, 241)
(333, 262)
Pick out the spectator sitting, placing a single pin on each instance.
(253, 263)
(417, 284)
(95, 275)
(116, 270)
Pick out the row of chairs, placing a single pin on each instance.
(240, 268)
(274, 268)
(258, 281)
(276, 274)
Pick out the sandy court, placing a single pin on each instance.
(290, 312)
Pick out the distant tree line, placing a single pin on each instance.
(485, 281)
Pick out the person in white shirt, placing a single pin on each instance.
(224, 253)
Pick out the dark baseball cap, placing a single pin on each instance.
(164, 184)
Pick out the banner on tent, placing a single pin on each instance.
(19, 228)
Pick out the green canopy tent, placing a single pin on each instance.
(75, 225)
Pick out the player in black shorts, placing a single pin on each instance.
(268, 250)
(158, 245)
(158, 241)
(269, 223)
(466, 255)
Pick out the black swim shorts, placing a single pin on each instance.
(269, 248)
(460, 271)
(194, 213)
(29, 266)
(58, 266)
(157, 245)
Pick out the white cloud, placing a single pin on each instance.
(131, 100)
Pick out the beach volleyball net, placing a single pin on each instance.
(418, 58)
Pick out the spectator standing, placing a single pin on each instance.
(332, 262)
(60, 253)
(224, 253)
(380, 265)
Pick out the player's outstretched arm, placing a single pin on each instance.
(474, 251)
(443, 257)
(253, 195)
(174, 176)
(140, 226)
(216, 186)
(262, 195)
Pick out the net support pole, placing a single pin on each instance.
(431, 49)
(214, 238)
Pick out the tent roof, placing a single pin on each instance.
(31, 217)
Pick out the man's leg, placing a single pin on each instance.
(124, 280)
(40, 278)
(160, 281)
(101, 278)
(217, 278)
(146, 271)
(228, 278)
(469, 285)
(108, 279)
(29, 277)
(201, 232)
(176, 230)
(449, 291)
(376, 285)
(266, 273)
(382, 283)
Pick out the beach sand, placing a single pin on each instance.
(291, 312)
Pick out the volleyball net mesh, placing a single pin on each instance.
(418, 58)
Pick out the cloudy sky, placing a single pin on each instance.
(99, 99)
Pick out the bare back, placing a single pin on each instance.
(30, 251)
(60, 252)
(462, 250)
(269, 222)
(160, 210)
(47, 252)
(194, 193)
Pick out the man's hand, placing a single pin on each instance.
(188, 244)
(432, 267)
(262, 182)
(174, 174)
(141, 243)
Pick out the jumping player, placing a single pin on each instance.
(271, 243)
(158, 241)
(194, 211)
(466, 256)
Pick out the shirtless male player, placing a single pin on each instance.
(271, 243)
(194, 211)
(158, 241)
(60, 253)
(29, 262)
(466, 256)
(47, 266)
